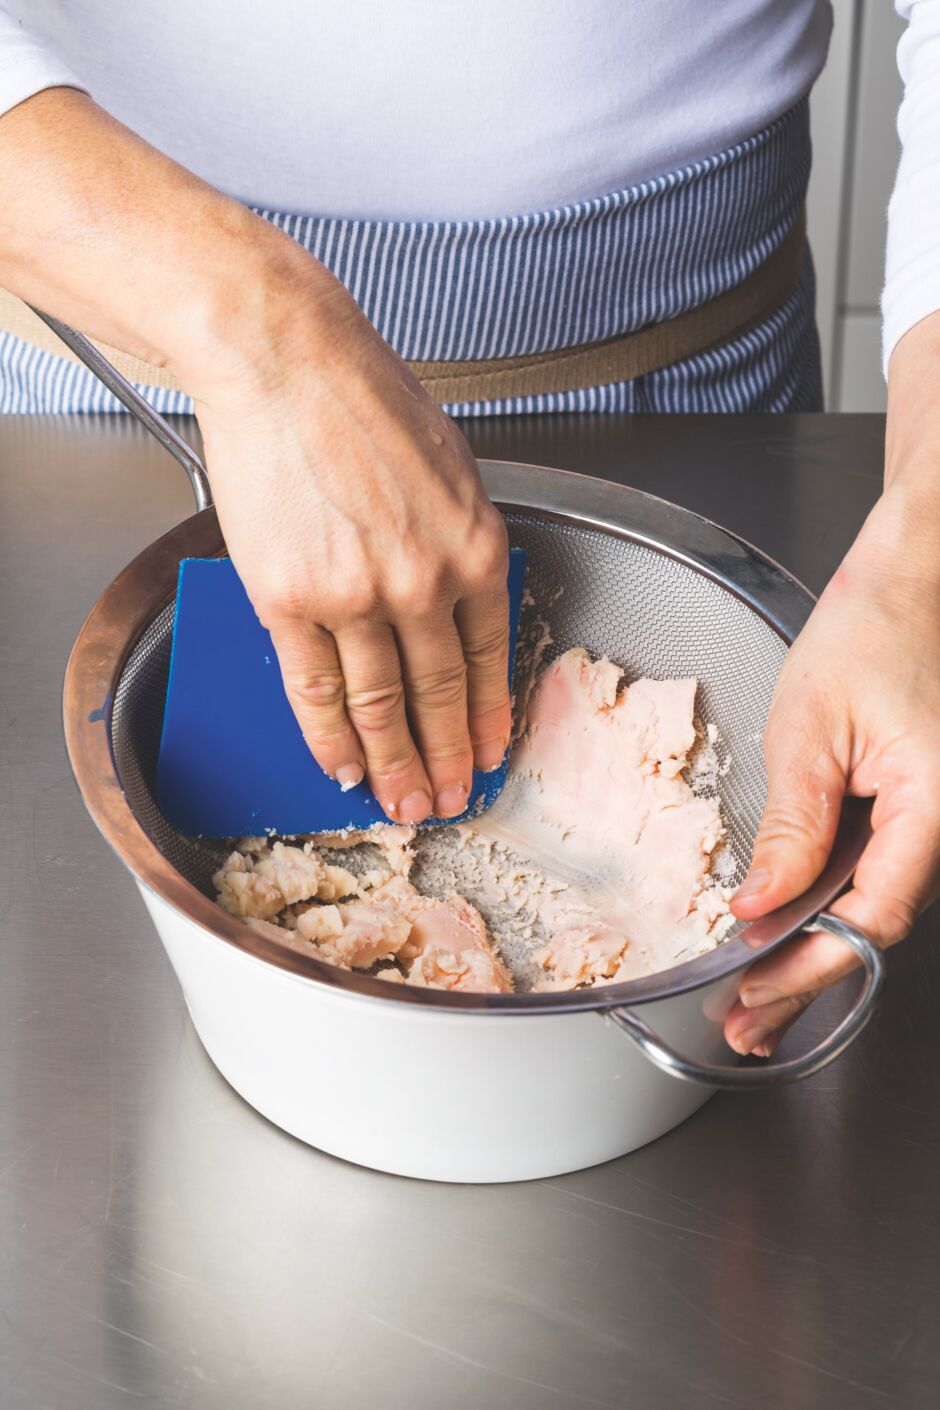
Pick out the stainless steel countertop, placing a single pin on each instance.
(161, 1245)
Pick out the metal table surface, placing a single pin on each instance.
(161, 1245)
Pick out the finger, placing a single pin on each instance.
(375, 703)
(483, 624)
(773, 1040)
(435, 676)
(805, 787)
(748, 1030)
(897, 876)
(315, 688)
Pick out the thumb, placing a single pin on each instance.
(805, 788)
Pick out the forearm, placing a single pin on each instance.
(912, 445)
(911, 296)
(898, 549)
(110, 235)
(896, 557)
(855, 712)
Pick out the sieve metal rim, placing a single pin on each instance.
(145, 587)
(736, 565)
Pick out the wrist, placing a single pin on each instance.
(901, 537)
(259, 301)
(896, 557)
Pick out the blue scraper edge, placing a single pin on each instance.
(232, 759)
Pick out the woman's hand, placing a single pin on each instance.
(352, 507)
(857, 710)
(355, 515)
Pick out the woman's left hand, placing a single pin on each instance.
(856, 711)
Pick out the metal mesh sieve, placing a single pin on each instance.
(654, 587)
(651, 613)
(658, 589)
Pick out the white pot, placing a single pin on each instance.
(414, 1081)
(431, 1093)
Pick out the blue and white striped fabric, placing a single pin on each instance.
(534, 283)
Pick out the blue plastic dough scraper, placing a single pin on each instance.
(232, 759)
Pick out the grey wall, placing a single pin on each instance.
(854, 115)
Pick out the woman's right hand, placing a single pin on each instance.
(352, 507)
(354, 512)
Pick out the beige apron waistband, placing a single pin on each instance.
(618, 359)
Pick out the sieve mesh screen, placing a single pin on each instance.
(653, 615)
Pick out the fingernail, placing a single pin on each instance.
(451, 801)
(745, 1042)
(753, 884)
(348, 775)
(489, 755)
(756, 995)
(415, 807)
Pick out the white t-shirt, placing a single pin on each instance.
(418, 109)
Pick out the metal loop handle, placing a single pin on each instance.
(772, 1074)
(137, 405)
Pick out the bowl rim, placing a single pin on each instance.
(147, 585)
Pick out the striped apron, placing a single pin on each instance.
(457, 291)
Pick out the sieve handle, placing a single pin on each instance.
(772, 1074)
(136, 404)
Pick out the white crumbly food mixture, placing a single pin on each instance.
(598, 857)
(375, 920)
